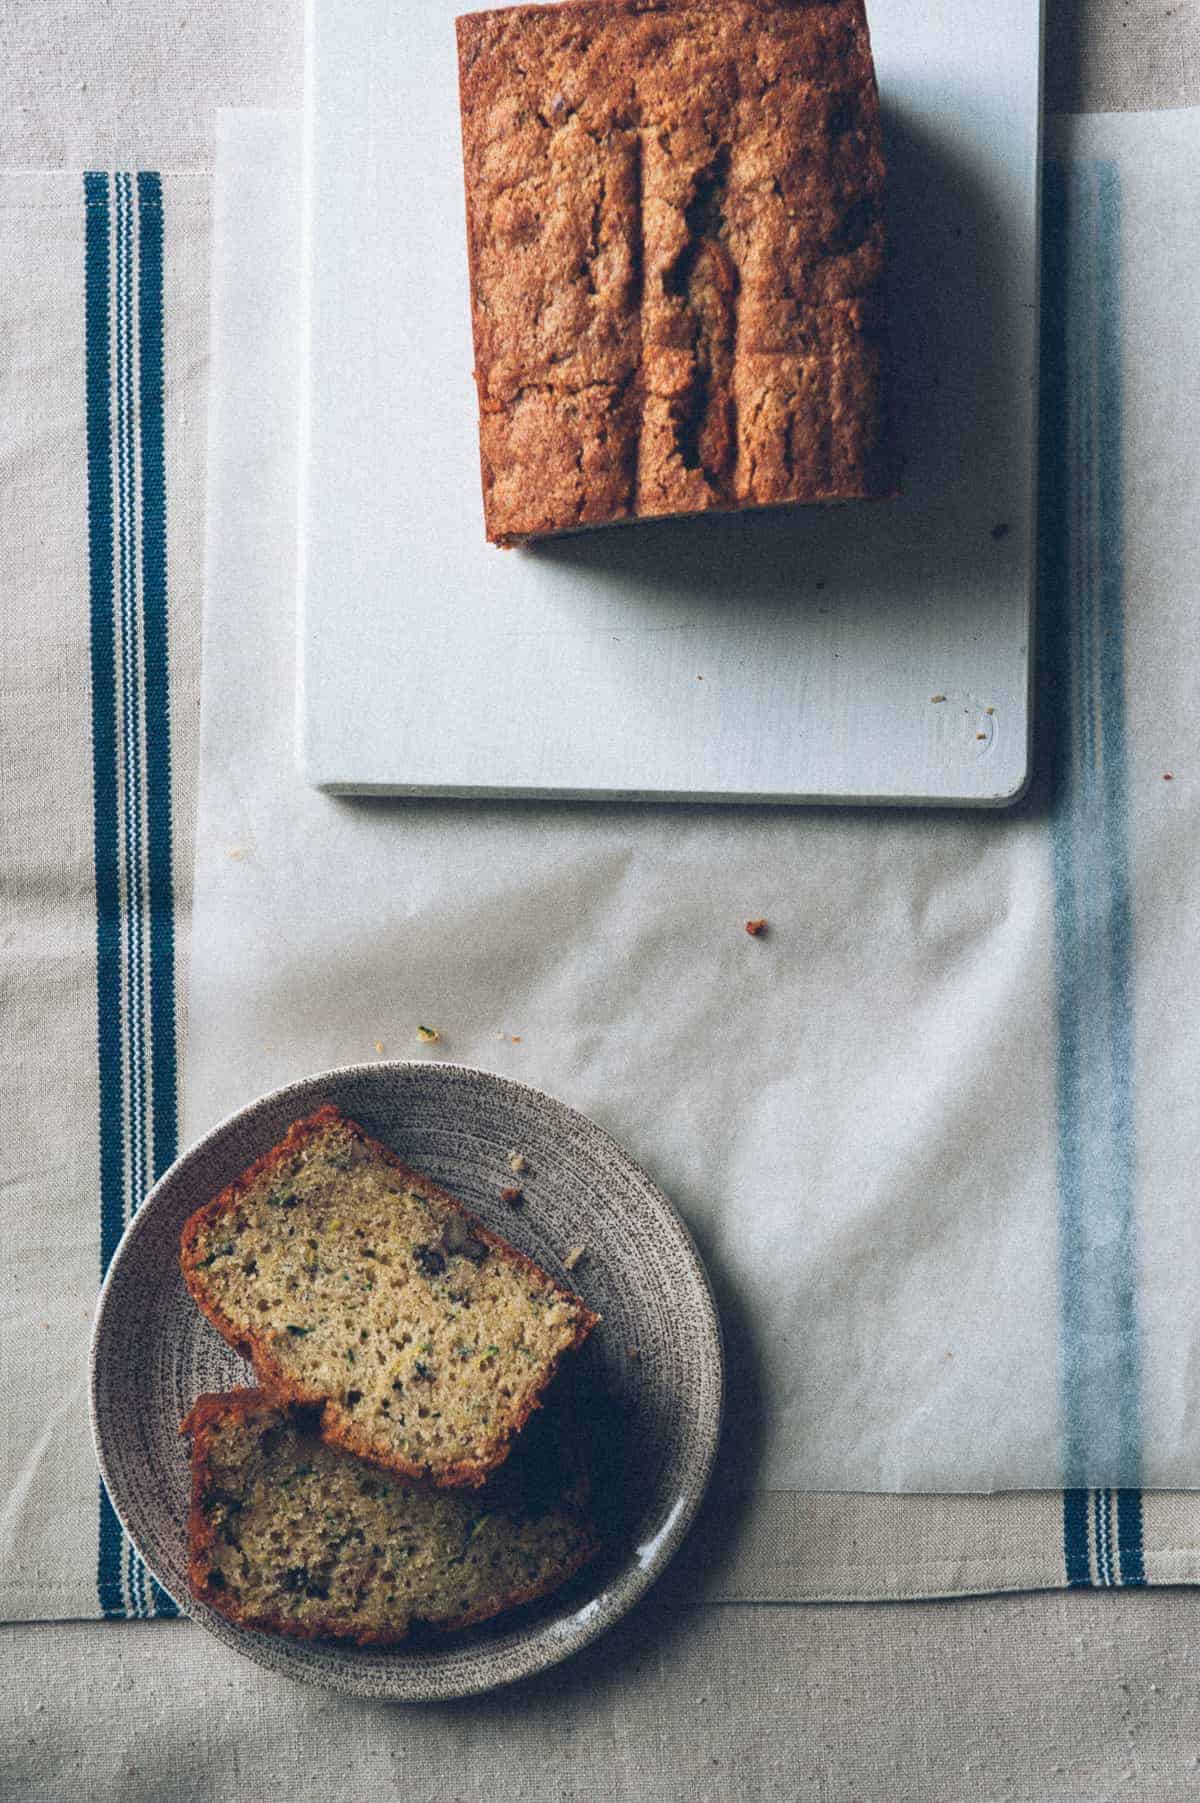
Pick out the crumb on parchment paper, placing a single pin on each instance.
(575, 1257)
(936, 698)
(428, 1035)
(756, 928)
(380, 1047)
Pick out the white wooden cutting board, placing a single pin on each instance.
(869, 653)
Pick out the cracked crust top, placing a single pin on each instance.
(674, 219)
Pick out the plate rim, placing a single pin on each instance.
(532, 1656)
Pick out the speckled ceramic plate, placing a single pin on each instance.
(655, 1417)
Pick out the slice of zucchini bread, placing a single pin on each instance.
(291, 1536)
(351, 1282)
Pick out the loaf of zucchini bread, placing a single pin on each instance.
(676, 243)
(358, 1286)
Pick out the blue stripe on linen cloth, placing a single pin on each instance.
(1103, 1538)
(1083, 707)
(135, 982)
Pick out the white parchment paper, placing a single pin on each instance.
(860, 1113)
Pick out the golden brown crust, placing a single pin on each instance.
(206, 1415)
(675, 244)
(267, 1369)
(198, 1425)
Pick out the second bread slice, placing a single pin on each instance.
(290, 1536)
(351, 1282)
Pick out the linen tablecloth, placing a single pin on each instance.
(1030, 1697)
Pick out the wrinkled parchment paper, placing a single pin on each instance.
(859, 1112)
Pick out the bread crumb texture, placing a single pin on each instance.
(355, 1284)
(290, 1535)
(675, 233)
